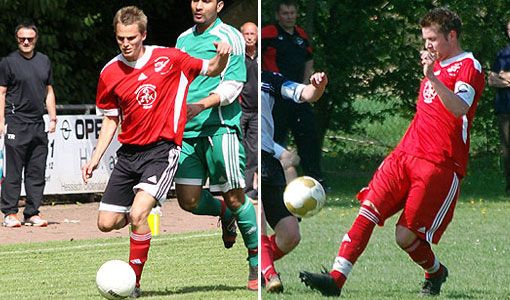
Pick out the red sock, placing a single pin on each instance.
(277, 253)
(223, 207)
(266, 259)
(138, 250)
(354, 243)
(421, 253)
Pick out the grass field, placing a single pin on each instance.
(180, 266)
(475, 248)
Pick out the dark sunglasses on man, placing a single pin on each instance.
(21, 40)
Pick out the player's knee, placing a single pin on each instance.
(104, 225)
(138, 218)
(188, 204)
(293, 240)
(404, 236)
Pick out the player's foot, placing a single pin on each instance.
(229, 232)
(432, 286)
(274, 284)
(136, 293)
(11, 221)
(320, 281)
(36, 221)
(253, 279)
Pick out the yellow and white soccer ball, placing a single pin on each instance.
(115, 279)
(304, 197)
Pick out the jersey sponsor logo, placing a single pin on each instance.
(428, 93)
(162, 65)
(452, 70)
(146, 95)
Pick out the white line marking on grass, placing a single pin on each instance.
(171, 238)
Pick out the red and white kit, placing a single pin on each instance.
(423, 174)
(134, 90)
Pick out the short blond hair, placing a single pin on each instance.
(129, 15)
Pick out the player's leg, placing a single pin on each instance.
(427, 213)
(504, 136)
(386, 191)
(16, 146)
(35, 169)
(270, 278)
(191, 176)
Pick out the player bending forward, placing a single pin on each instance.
(146, 87)
(286, 227)
(423, 174)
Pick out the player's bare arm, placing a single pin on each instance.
(108, 129)
(51, 107)
(219, 62)
(451, 101)
(313, 91)
(194, 109)
(3, 93)
(499, 80)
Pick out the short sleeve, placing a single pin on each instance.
(4, 72)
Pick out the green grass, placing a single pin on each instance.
(180, 266)
(475, 248)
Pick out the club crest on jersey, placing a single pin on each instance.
(428, 93)
(146, 95)
(162, 65)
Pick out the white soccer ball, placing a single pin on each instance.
(304, 197)
(115, 279)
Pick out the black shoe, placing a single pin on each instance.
(136, 293)
(229, 231)
(320, 281)
(432, 286)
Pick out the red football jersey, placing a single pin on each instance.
(435, 134)
(149, 94)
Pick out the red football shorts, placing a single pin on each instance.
(426, 192)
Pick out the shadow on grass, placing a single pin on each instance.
(193, 289)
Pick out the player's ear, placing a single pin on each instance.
(219, 6)
(144, 35)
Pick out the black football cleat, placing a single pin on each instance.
(320, 281)
(432, 286)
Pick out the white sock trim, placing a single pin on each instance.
(342, 265)
(434, 268)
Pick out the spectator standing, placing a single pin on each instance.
(499, 78)
(249, 107)
(286, 50)
(26, 87)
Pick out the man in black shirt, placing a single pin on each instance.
(26, 86)
(249, 106)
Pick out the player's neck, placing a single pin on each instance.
(456, 52)
(27, 55)
(201, 28)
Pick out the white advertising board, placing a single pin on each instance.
(69, 148)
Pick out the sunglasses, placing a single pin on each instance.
(21, 40)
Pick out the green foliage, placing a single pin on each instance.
(183, 266)
(78, 36)
(370, 49)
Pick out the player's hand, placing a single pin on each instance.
(52, 127)
(427, 60)
(319, 80)
(86, 171)
(504, 76)
(192, 110)
(222, 48)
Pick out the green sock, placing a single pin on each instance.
(247, 222)
(208, 205)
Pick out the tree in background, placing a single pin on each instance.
(370, 49)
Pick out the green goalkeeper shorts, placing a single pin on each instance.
(219, 158)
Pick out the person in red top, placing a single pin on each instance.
(422, 175)
(145, 88)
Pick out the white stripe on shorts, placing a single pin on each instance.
(438, 220)
(114, 208)
(160, 189)
(231, 157)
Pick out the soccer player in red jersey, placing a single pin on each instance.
(422, 175)
(145, 89)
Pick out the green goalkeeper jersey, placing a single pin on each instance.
(219, 119)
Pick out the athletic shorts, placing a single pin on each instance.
(425, 191)
(219, 158)
(273, 185)
(150, 168)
